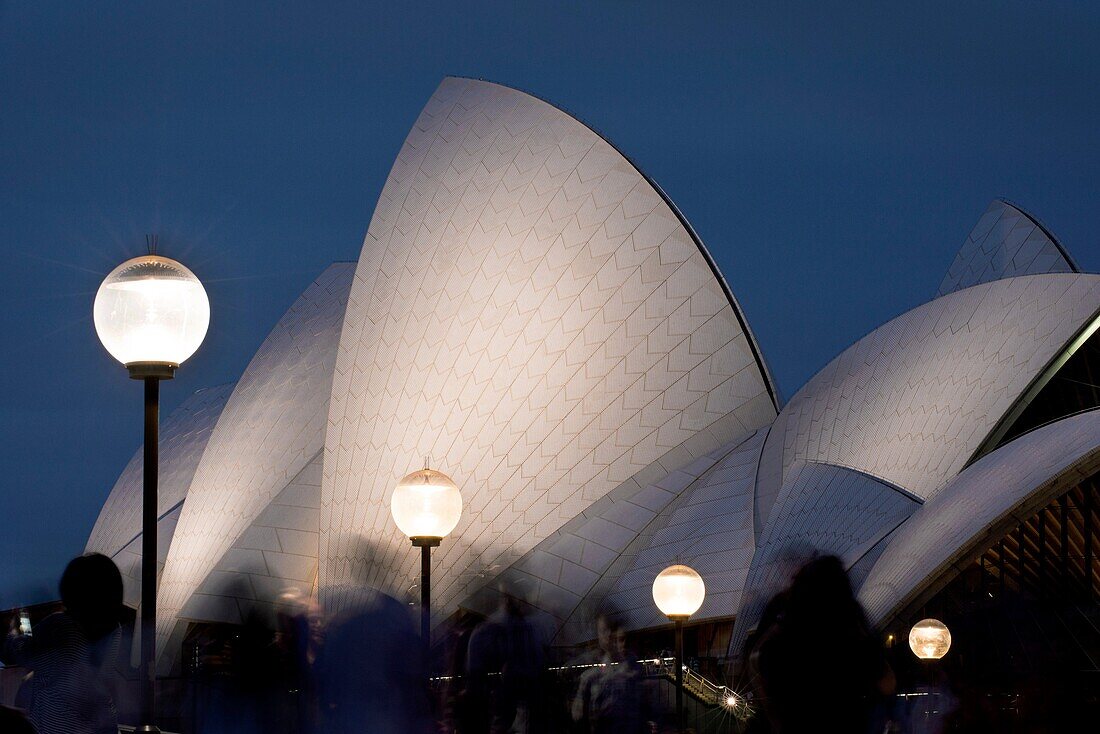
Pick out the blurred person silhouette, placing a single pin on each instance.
(507, 663)
(604, 625)
(370, 672)
(12, 721)
(593, 653)
(72, 653)
(238, 674)
(751, 679)
(293, 653)
(790, 561)
(463, 712)
(610, 696)
(253, 682)
(820, 666)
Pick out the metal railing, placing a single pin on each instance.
(701, 688)
(709, 694)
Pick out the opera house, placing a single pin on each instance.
(534, 314)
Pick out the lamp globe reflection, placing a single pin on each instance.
(426, 505)
(930, 639)
(678, 592)
(151, 310)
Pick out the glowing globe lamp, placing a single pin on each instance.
(930, 639)
(678, 592)
(426, 506)
(151, 311)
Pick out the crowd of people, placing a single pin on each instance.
(364, 670)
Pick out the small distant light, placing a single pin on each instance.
(731, 701)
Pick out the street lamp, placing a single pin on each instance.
(930, 639)
(151, 313)
(678, 592)
(426, 506)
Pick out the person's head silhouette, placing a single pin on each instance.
(822, 584)
(91, 590)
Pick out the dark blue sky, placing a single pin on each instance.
(832, 156)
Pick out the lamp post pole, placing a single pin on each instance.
(149, 552)
(151, 374)
(679, 620)
(425, 545)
